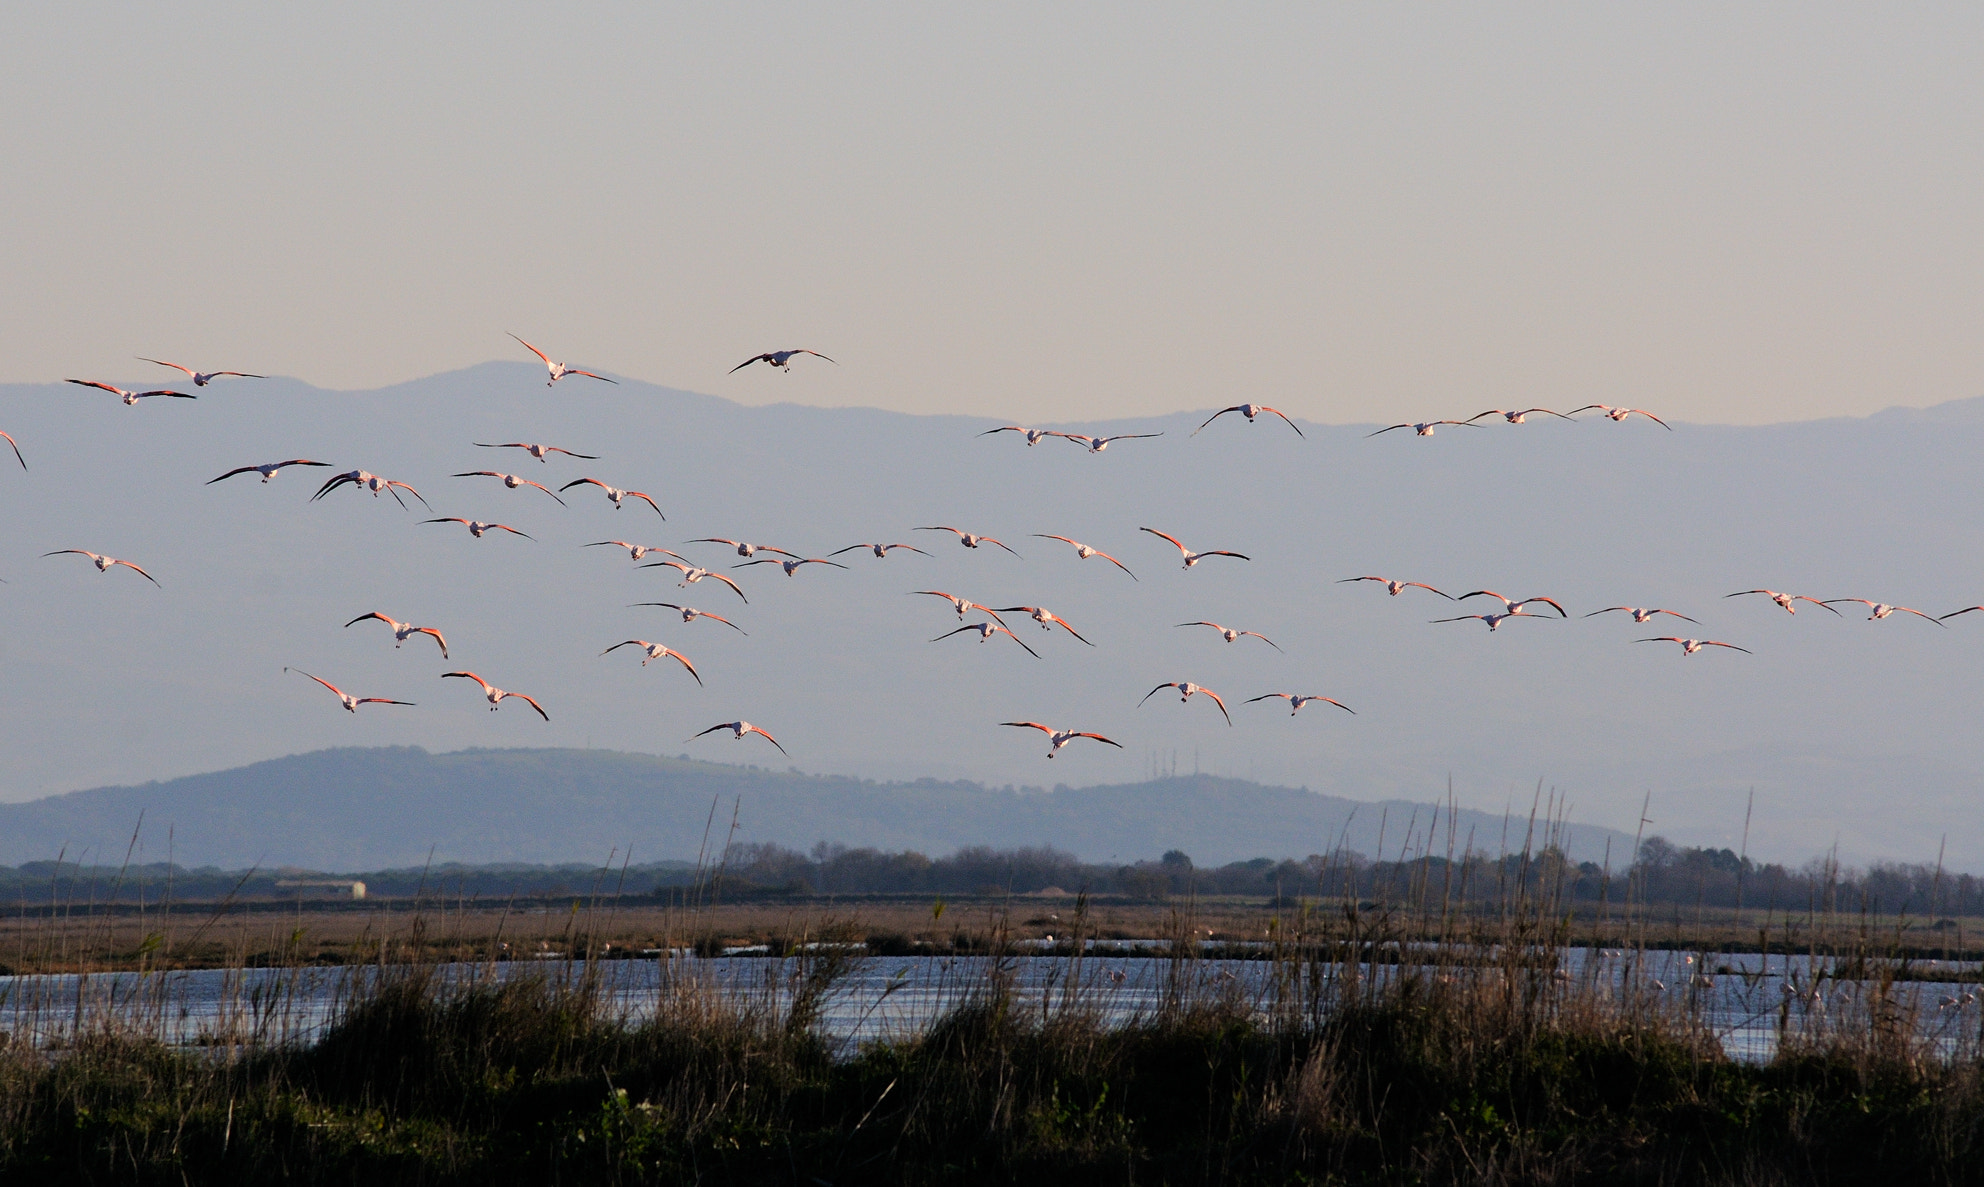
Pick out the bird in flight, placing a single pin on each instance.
(372, 482)
(1250, 411)
(1186, 689)
(127, 396)
(478, 528)
(1193, 558)
(1515, 415)
(495, 695)
(1690, 646)
(969, 539)
(637, 551)
(1424, 428)
(1295, 702)
(1611, 413)
(1965, 610)
(1231, 635)
(790, 566)
(1033, 436)
(1493, 620)
(691, 614)
(1394, 588)
(559, 370)
(1098, 444)
(200, 378)
(1059, 738)
(743, 549)
(24, 461)
(881, 550)
(657, 651)
(963, 606)
(694, 573)
(739, 728)
(1640, 614)
(103, 563)
(782, 359)
(351, 703)
(1882, 609)
(1045, 617)
(1782, 599)
(511, 481)
(535, 450)
(1083, 552)
(402, 631)
(985, 631)
(1512, 607)
(614, 494)
(267, 470)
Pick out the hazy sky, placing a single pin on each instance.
(1354, 213)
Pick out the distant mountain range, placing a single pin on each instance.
(356, 809)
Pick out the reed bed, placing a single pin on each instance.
(1451, 1034)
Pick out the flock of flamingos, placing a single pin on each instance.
(991, 624)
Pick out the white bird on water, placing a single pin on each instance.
(558, 371)
(402, 631)
(738, 729)
(1057, 738)
(655, 651)
(495, 695)
(351, 703)
(1187, 690)
(200, 378)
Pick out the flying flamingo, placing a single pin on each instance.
(17, 452)
(1098, 444)
(478, 528)
(1639, 614)
(1231, 635)
(1690, 646)
(1515, 415)
(1612, 413)
(1193, 558)
(1296, 702)
(558, 370)
(1782, 599)
(637, 551)
(1493, 620)
(127, 396)
(1186, 688)
(200, 378)
(744, 550)
(969, 539)
(1394, 588)
(791, 566)
(1045, 617)
(782, 359)
(1083, 552)
(372, 482)
(691, 614)
(351, 703)
(739, 728)
(535, 450)
(495, 695)
(985, 631)
(694, 573)
(1882, 609)
(614, 493)
(267, 470)
(963, 606)
(657, 651)
(1250, 411)
(1033, 436)
(881, 550)
(402, 631)
(103, 563)
(1058, 738)
(1513, 607)
(510, 481)
(1424, 428)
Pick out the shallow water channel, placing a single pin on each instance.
(1748, 1008)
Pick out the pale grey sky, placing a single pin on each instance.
(1354, 213)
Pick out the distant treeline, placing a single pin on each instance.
(1661, 873)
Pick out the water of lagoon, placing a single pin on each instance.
(1746, 1008)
